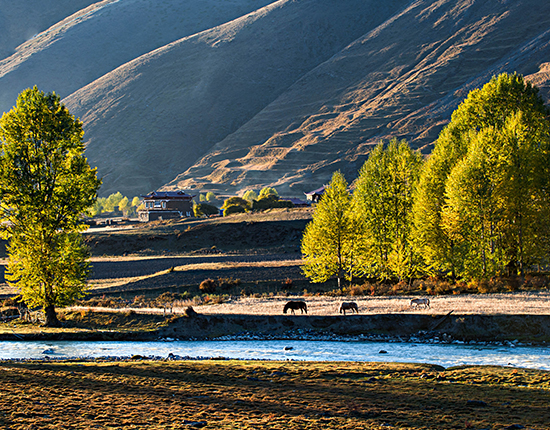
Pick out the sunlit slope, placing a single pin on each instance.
(96, 40)
(20, 20)
(402, 79)
(154, 117)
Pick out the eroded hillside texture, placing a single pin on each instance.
(240, 94)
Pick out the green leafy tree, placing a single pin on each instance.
(101, 202)
(135, 201)
(202, 198)
(270, 202)
(45, 186)
(268, 191)
(471, 215)
(124, 205)
(237, 201)
(113, 201)
(250, 195)
(329, 240)
(490, 106)
(95, 209)
(210, 196)
(233, 209)
(384, 198)
(202, 209)
(497, 199)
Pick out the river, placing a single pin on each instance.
(445, 355)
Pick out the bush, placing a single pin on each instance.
(237, 201)
(234, 209)
(250, 195)
(228, 283)
(204, 209)
(268, 192)
(287, 284)
(208, 286)
(270, 202)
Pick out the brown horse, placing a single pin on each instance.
(295, 304)
(349, 306)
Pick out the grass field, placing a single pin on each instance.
(269, 395)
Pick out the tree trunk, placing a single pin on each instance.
(51, 317)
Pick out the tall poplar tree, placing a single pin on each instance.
(45, 186)
(329, 240)
(383, 197)
(490, 106)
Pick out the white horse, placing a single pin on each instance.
(349, 306)
(415, 303)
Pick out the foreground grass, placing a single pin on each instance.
(274, 395)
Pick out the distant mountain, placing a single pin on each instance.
(96, 40)
(21, 20)
(240, 94)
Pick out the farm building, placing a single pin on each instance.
(161, 205)
(315, 195)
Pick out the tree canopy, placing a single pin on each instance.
(329, 239)
(383, 197)
(45, 186)
(499, 133)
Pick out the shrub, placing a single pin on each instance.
(250, 195)
(268, 191)
(205, 209)
(228, 283)
(208, 286)
(236, 201)
(271, 202)
(287, 284)
(234, 209)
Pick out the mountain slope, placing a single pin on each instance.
(238, 94)
(153, 117)
(403, 79)
(96, 40)
(22, 19)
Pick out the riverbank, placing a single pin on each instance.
(404, 327)
(276, 395)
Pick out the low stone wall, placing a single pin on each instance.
(525, 328)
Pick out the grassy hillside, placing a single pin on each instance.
(158, 114)
(240, 94)
(23, 19)
(82, 48)
(403, 79)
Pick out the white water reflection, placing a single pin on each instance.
(442, 354)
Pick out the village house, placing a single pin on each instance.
(315, 195)
(161, 205)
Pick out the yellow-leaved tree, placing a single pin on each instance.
(46, 184)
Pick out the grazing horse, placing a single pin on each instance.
(349, 306)
(417, 302)
(295, 304)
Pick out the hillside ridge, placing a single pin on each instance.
(203, 95)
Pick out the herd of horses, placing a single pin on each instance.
(300, 305)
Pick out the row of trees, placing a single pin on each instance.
(478, 207)
(250, 201)
(115, 201)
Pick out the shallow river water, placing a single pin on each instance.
(442, 354)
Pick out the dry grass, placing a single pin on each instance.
(482, 304)
(274, 395)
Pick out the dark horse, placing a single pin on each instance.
(349, 306)
(295, 304)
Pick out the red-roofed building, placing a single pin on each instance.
(161, 205)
